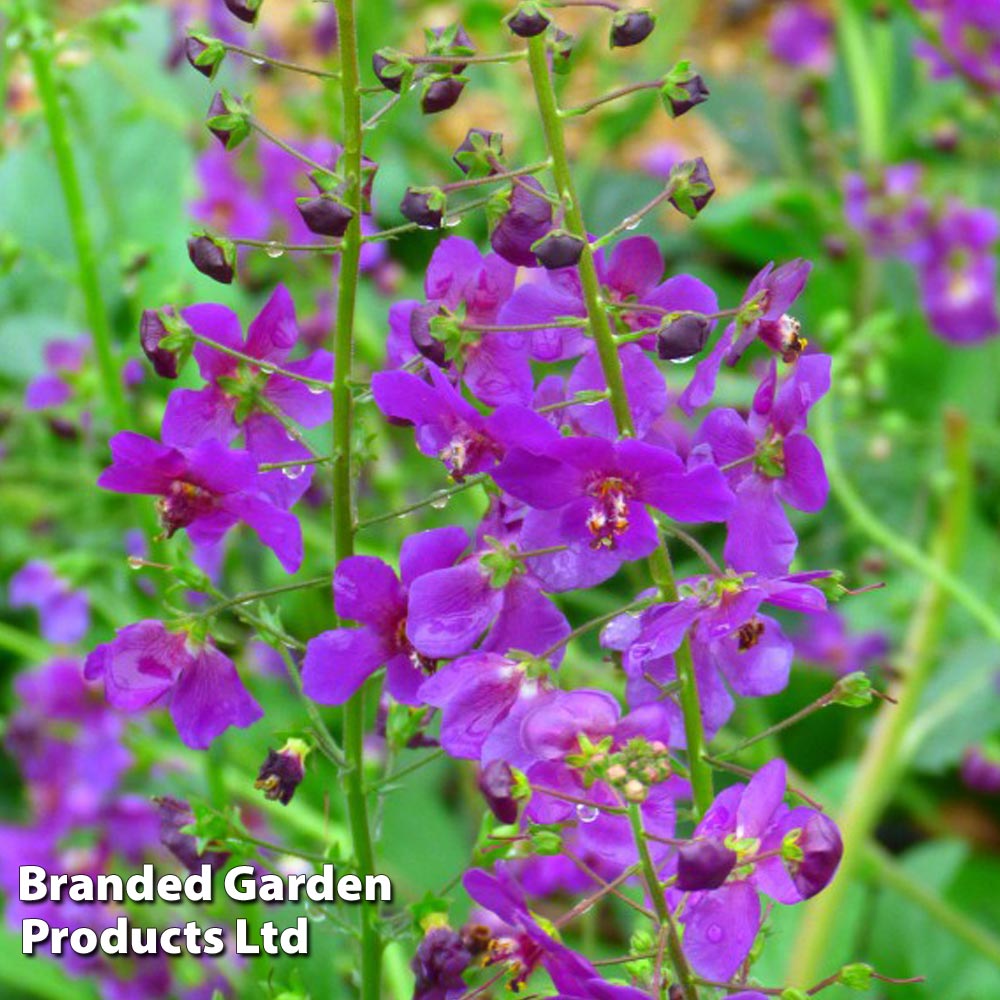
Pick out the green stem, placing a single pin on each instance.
(866, 83)
(883, 760)
(343, 505)
(28, 647)
(41, 53)
(677, 956)
(607, 351)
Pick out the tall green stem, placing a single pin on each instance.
(884, 760)
(607, 351)
(343, 505)
(41, 52)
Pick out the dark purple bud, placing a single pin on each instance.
(424, 206)
(245, 10)
(822, 850)
(557, 249)
(174, 816)
(440, 93)
(528, 20)
(391, 68)
(683, 337)
(153, 333)
(64, 429)
(680, 96)
(451, 41)
(630, 27)
(480, 153)
(228, 120)
(496, 782)
(703, 864)
(213, 256)
(204, 54)
(423, 339)
(325, 215)
(282, 771)
(519, 219)
(440, 960)
(693, 187)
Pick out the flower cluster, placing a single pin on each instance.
(964, 39)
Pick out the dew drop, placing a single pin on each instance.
(258, 62)
(266, 369)
(451, 221)
(440, 502)
(273, 250)
(135, 562)
(682, 361)
(290, 436)
(293, 471)
(714, 933)
(632, 222)
(587, 814)
(317, 390)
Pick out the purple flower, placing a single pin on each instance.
(969, 34)
(366, 590)
(64, 613)
(958, 275)
(800, 851)
(890, 213)
(146, 666)
(447, 426)
(482, 698)
(206, 489)
(63, 360)
(523, 944)
(763, 314)
(228, 204)
(465, 287)
(981, 770)
(827, 641)
(526, 219)
(770, 461)
(595, 493)
(802, 36)
(731, 641)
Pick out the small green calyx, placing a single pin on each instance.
(769, 458)
(502, 562)
(853, 690)
(790, 850)
(857, 976)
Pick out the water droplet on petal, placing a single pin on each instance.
(681, 361)
(714, 933)
(293, 471)
(440, 502)
(587, 814)
(273, 250)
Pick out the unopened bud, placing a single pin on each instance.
(682, 90)
(857, 976)
(440, 92)
(282, 771)
(853, 690)
(246, 10)
(480, 152)
(496, 782)
(693, 187)
(558, 249)
(527, 20)
(630, 27)
(166, 340)
(204, 54)
(424, 206)
(392, 69)
(228, 120)
(635, 790)
(325, 214)
(682, 338)
(213, 256)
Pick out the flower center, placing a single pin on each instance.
(609, 514)
(749, 634)
(466, 449)
(182, 504)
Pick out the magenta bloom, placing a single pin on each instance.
(464, 285)
(802, 36)
(63, 359)
(206, 489)
(891, 214)
(63, 613)
(239, 393)
(720, 925)
(594, 493)
(733, 644)
(228, 204)
(524, 943)
(447, 426)
(827, 641)
(146, 666)
(772, 462)
(764, 316)
(958, 275)
(366, 590)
